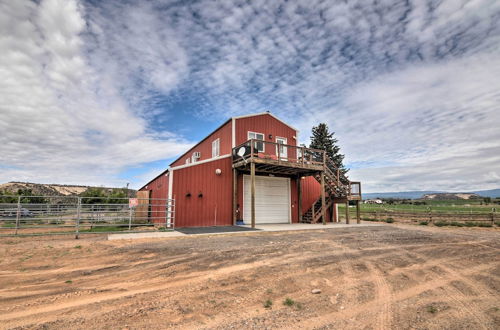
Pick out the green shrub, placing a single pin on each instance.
(456, 224)
(389, 220)
(268, 304)
(288, 302)
(440, 223)
(482, 224)
(431, 309)
(469, 224)
(423, 223)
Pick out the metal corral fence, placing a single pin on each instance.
(430, 216)
(46, 215)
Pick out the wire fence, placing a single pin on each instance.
(47, 215)
(429, 215)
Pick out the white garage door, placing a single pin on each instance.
(272, 199)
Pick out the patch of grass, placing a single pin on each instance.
(25, 258)
(288, 302)
(497, 223)
(424, 223)
(369, 219)
(299, 306)
(269, 291)
(441, 223)
(104, 228)
(77, 246)
(432, 309)
(68, 282)
(268, 304)
(456, 224)
(50, 247)
(482, 224)
(389, 220)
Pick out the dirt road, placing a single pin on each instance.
(392, 276)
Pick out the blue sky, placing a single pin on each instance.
(109, 92)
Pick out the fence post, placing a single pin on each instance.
(78, 207)
(430, 215)
(18, 213)
(492, 216)
(129, 218)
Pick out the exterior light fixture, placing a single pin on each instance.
(270, 136)
(218, 171)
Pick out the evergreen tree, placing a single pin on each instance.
(322, 139)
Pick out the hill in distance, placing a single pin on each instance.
(41, 189)
(420, 194)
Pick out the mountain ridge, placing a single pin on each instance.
(416, 194)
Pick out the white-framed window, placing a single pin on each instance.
(216, 148)
(195, 157)
(281, 150)
(259, 146)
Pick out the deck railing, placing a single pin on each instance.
(277, 152)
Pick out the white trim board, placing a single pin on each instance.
(233, 133)
(201, 162)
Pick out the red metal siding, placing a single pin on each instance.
(265, 124)
(205, 147)
(311, 191)
(214, 208)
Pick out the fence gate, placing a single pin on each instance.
(52, 215)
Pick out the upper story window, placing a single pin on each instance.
(216, 148)
(259, 146)
(195, 157)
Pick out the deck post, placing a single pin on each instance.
(323, 201)
(347, 212)
(235, 194)
(252, 193)
(299, 192)
(358, 213)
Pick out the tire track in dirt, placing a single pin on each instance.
(158, 285)
(372, 306)
(384, 298)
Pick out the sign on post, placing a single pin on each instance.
(133, 202)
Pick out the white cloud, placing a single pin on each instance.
(406, 85)
(61, 119)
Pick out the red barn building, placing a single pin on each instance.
(252, 168)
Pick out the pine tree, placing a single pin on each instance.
(322, 139)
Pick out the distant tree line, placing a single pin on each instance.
(91, 196)
(26, 197)
(104, 196)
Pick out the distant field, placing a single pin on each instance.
(435, 206)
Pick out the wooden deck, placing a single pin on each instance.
(263, 157)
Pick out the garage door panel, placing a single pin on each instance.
(272, 199)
